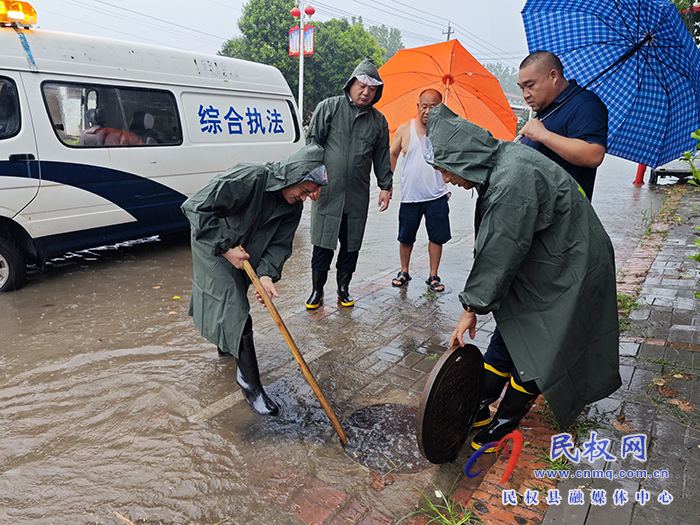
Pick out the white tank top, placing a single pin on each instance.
(419, 181)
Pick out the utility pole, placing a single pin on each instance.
(449, 31)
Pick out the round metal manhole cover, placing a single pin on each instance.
(450, 402)
(383, 438)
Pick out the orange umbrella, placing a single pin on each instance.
(467, 87)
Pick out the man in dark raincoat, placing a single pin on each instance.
(256, 207)
(543, 264)
(354, 136)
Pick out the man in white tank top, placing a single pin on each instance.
(423, 193)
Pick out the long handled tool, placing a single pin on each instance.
(293, 347)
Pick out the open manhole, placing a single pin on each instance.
(383, 438)
(401, 438)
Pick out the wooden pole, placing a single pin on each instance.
(297, 354)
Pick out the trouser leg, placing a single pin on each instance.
(345, 265)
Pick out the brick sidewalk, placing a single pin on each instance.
(666, 326)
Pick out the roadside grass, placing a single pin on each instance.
(560, 463)
(626, 304)
(442, 510)
(584, 424)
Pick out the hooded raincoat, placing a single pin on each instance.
(354, 139)
(543, 264)
(241, 207)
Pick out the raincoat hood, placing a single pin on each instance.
(460, 147)
(366, 67)
(293, 169)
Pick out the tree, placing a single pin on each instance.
(264, 37)
(339, 46)
(389, 39)
(683, 7)
(507, 77)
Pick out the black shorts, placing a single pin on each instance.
(437, 220)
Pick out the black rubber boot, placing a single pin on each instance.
(514, 405)
(248, 378)
(493, 386)
(344, 296)
(318, 280)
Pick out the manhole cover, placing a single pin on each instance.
(449, 404)
(383, 438)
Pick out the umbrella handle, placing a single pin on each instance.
(297, 354)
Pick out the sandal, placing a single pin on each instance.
(401, 279)
(435, 285)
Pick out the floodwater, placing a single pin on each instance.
(101, 368)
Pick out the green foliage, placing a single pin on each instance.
(264, 37)
(507, 77)
(689, 156)
(587, 421)
(445, 511)
(561, 463)
(338, 47)
(626, 304)
(389, 39)
(684, 5)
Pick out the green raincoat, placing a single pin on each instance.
(353, 141)
(543, 264)
(241, 207)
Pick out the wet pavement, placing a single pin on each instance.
(113, 407)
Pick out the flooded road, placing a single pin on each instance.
(101, 368)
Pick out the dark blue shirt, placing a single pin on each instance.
(582, 116)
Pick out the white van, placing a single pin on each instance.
(101, 141)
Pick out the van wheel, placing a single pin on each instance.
(13, 266)
(653, 177)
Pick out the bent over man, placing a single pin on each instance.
(355, 137)
(543, 265)
(250, 212)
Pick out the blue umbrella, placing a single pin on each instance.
(638, 57)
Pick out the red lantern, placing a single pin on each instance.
(309, 10)
(295, 12)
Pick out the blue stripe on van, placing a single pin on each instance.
(155, 207)
(20, 169)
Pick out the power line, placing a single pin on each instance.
(92, 23)
(347, 14)
(159, 20)
(473, 40)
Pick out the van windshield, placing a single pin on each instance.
(9, 109)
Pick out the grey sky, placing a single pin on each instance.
(491, 31)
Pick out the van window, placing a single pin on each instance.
(90, 116)
(9, 108)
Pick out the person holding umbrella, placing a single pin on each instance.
(355, 137)
(571, 127)
(249, 212)
(543, 265)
